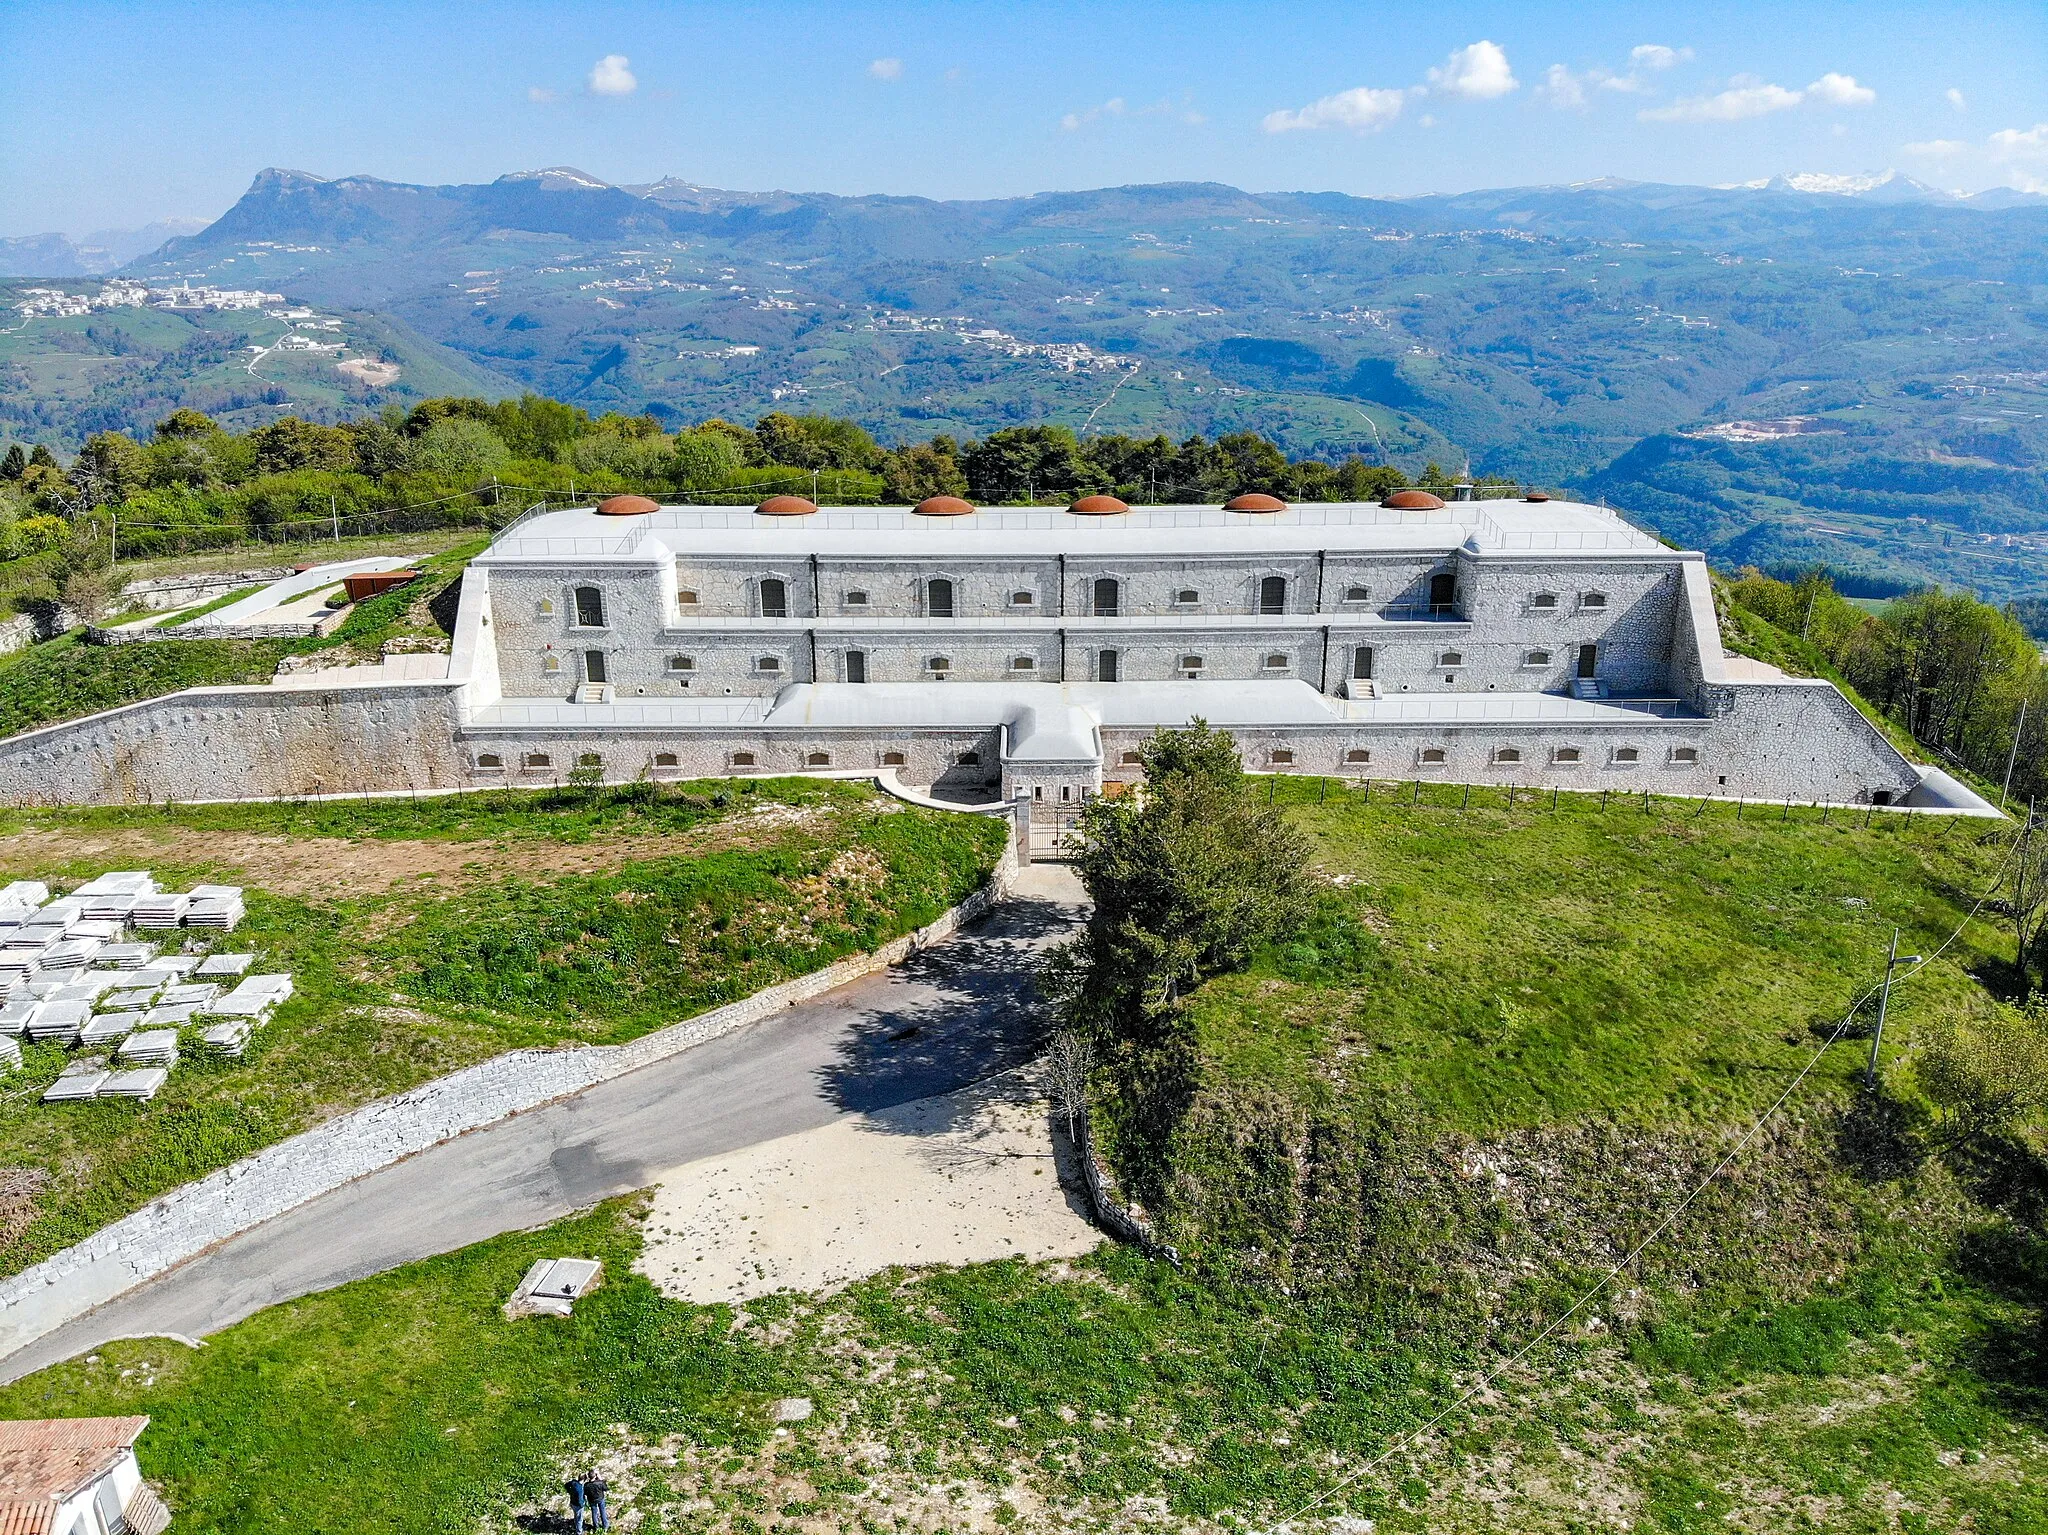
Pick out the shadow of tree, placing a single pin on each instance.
(2011, 1353)
(1880, 1138)
(956, 1013)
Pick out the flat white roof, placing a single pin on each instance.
(856, 532)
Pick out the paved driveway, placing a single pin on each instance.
(955, 1013)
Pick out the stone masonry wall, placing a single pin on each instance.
(195, 1217)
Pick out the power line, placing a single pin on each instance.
(1492, 1375)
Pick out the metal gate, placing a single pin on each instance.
(1053, 834)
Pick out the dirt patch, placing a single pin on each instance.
(19, 1187)
(966, 1177)
(337, 868)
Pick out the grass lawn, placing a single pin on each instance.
(425, 937)
(1514, 1042)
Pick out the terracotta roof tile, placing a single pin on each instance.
(44, 1459)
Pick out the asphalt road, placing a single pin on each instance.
(958, 1012)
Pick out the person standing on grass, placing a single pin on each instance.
(579, 1505)
(593, 1488)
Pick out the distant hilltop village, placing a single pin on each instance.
(121, 293)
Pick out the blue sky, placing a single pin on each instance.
(117, 114)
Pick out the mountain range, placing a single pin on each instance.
(1853, 370)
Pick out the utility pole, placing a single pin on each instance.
(1892, 960)
(334, 511)
(2014, 755)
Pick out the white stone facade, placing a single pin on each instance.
(1026, 652)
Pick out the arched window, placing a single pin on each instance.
(1106, 665)
(1282, 757)
(1187, 596)
(1536, 658)
(589, 608)
(489, 761)
(742, 759)
(1190, 663)
(1626, 756)
(1443, 591)
(818, 759)
(1358, 594)
(1506, 756)
(856, 666)
(768, 665)
(547, 607)
(1108, 596)
(1567, 756)
(1357, 756)
(856, 599)
(1451, 658)
(1543, 600)
(551, 663)
(1276, 662)
(938, 665)
(686, 598)
(1687, 755)
(537, 760)
(1432, 756)
(894, 759)
(665, 759)
(1022, 599)
(1272, 594)
(970, 759)
(1130, 759)
(938, 598)
(1593, 600)
(590, 760)
(1023, 663)
(683, 664)
(774, 598)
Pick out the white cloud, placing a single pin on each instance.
(1657, 56)
(609, 76)
(1478, 72)
(886, 69)
(1935, 149)
(2024, 153)
(1563, 89)
(1181, 111)
(1729, 106)
(1363, 109)
(1955, 99)
(1748, 97)
(540, 95)
(1841, 91)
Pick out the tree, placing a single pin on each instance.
(744, 442)
(43, 458)
(15, 465)
(1190, 878)
(184, 423)
(109, 468)
(443, 408)
(924, 469)
(459, 449)
(290, 443)
(534, 426)
(815, 442)
(1987, 1075)
(2027, 901)
(1029, 460)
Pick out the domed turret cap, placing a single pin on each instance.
(1097, 506)
(786, 506)
(1412, 500)
(626, 506)
(943, 506)
(1255, 501)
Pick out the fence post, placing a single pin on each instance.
(1466, 802)
(1738, 807)
(1603, 799)
(1416, 797)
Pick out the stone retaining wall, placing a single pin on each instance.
(191, 1219)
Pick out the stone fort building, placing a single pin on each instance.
(1026, 653)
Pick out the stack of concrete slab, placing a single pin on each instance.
(164, 909)
(131, 996)
(59, 1021)
(10, 1055)
(105, 1028)
(150, 1047)
(75, 1086)
(188, 994)
(230, 1038)
(23, 894)
(215, 906)
(16, 1013)
(225, 965)
(126, 956)
(113, 896)
(257, 997)
(161, 1017)
(141, 1083)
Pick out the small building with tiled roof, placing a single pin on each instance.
(75, 1476)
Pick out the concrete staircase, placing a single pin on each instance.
(1589, 688)
(594, 693)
